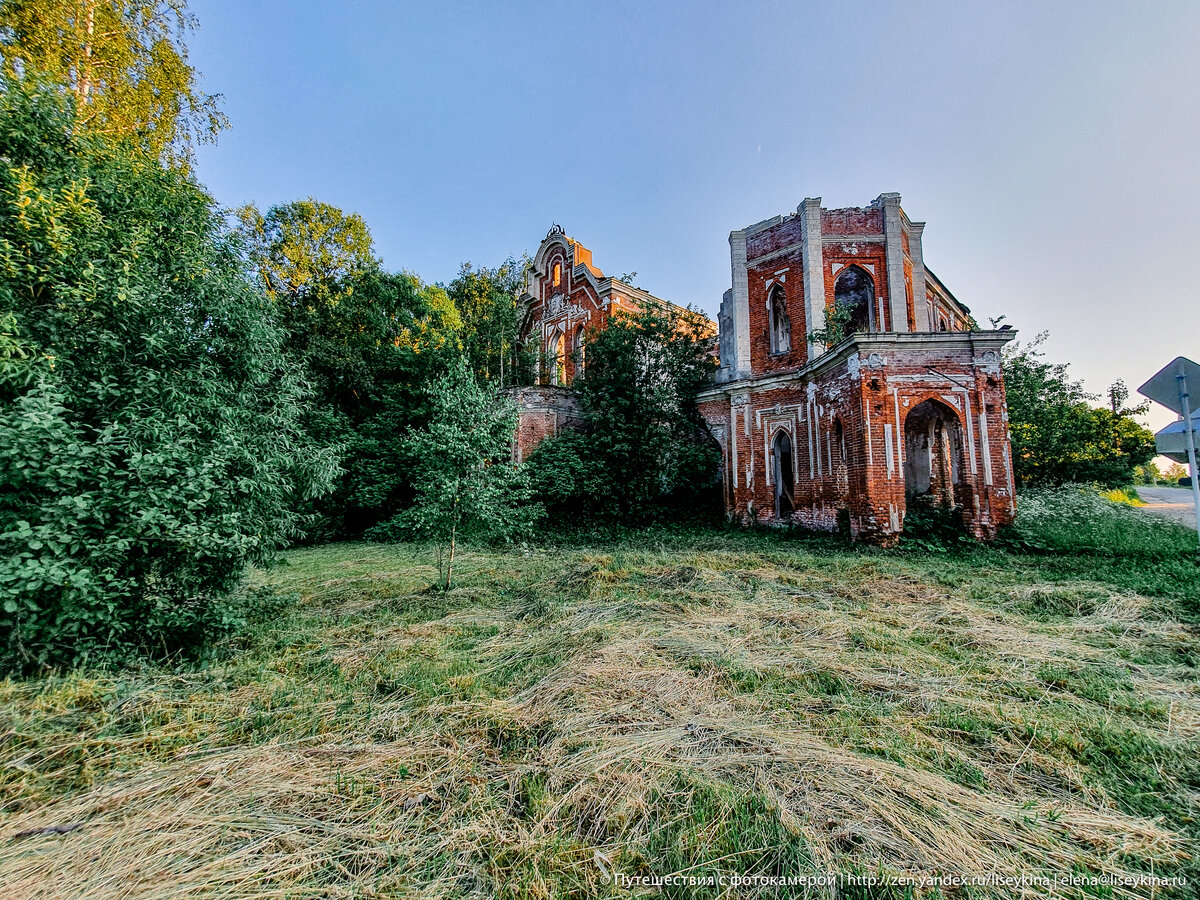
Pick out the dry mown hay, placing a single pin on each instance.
(563, 718)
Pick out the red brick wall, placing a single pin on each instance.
(542, 413)
(872, 408)
(784, 234)
(585, 309)
(865, 220)
(786, 271)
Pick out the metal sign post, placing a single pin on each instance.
(1190, 430)
(1159, 389)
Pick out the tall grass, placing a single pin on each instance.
(1076, 520)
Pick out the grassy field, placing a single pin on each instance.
(705, 703)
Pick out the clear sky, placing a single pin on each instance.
(1052, 148)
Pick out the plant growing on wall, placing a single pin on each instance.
(837, 324)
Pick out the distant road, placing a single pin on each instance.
(1173, 503)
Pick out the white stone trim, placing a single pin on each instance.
(814, 271)
(894, 248)
(987, 453)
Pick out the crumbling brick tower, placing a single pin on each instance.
(907, 409)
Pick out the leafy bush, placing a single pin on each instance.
(1128, 496)
(935, 528)
(643, 452)
(1077, 520)
(367, 341)
(1058, 436)
(150, 444)
(467, 484)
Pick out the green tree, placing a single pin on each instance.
(368, 341)
(487, 302)
(1057, 435)
(124, 64)
(466, 481)
(643, 450)
(307, 253)
(412, 339)
(150, 439)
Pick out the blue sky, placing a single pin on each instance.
(1051, 147)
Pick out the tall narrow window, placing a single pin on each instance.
(855, 291)
(781, 463)
(778, 322)
(577, 351)
(560, 361)
(557, 273)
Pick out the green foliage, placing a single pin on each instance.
(124, 65)
(309, 255)
(837, 321)
(644, 451)
(1151, 474)
(150, 445)
(1057, 436)
(935, 529)
(1074, 520)
(1128, 496)
(367, 340)
(466, 482)
(486, 299)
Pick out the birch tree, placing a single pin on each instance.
(123, 62)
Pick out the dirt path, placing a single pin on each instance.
(1173, 503)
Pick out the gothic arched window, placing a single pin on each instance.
(577, 350)
(854, 290)
(778, 322)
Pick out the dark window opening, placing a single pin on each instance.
(783, 476)
(779, 323)
(855, 291)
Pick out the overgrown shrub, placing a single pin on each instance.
(150, 445)
(1076, 519)
(643, 452)
(367, 341)
(935, 528)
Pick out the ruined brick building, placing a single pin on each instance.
(908, 408)
(565, 297)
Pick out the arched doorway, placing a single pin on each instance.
(933, 454)
(783, 474)
(854, 290)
